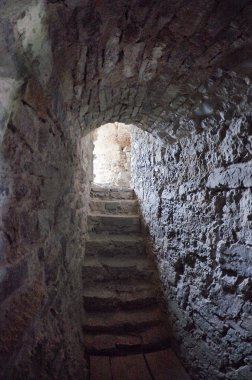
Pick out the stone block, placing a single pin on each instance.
(237, 259)
(231, 177)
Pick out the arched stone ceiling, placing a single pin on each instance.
(172, 67)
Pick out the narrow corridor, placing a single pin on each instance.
(172, 81)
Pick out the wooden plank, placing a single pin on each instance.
(164, 365)
(100, 368)
(131, 367)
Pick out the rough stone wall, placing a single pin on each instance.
(45, 171)
(111, 165)
(196, 200)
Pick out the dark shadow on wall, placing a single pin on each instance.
(44, 190)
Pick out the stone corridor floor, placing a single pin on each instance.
(124, 323)
(121, 295)
(158, 365)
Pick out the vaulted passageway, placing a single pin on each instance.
(180, 70)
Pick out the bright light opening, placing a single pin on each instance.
(112, 147)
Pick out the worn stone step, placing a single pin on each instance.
(129, 285)
(132, 285)
(109, 193)
(114, 224)
(115, 245)
(152, 338)
(113, 206)
(102, 299)
(100, 269)
(121, 321)
(122, 303)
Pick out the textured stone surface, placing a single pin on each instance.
(43, 215)
(196, 199)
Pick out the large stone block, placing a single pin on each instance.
(237, 259)
(231, 177)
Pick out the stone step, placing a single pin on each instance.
(108, 193)
(102, 299)
(115, 245)
(103, 269)
(121, 206)
(124, 287)
(151, 339)
(121, 321)
(122, 307)
(114, 224)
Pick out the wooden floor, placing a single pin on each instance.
(159, 365)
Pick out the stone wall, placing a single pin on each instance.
(45, 170)
(196, 200)
(111, 163)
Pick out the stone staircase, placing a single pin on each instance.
(122, 309)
